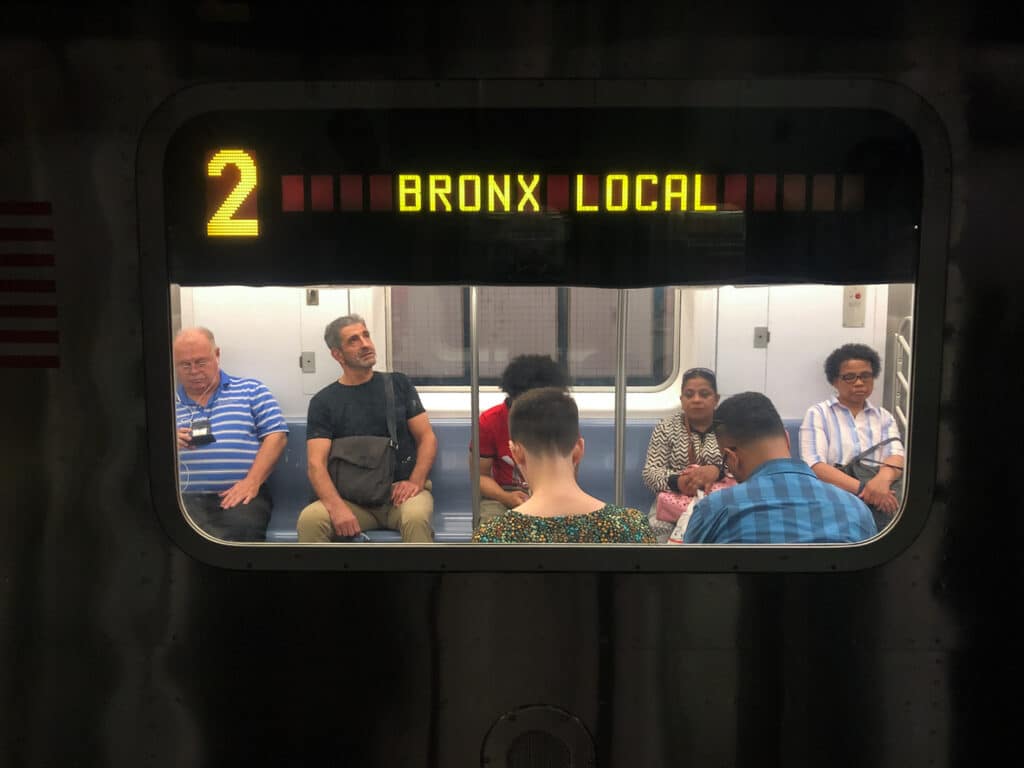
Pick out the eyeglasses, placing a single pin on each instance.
(188, 365)
(864, 376)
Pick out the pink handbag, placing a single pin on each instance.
(672, 505)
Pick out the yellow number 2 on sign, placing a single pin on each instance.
(224, 223)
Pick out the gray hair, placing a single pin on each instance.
(197, 329)
(332, 333)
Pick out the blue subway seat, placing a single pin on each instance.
(453, 509)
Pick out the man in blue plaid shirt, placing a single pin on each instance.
(779, 500)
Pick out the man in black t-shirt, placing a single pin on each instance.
(355, 405)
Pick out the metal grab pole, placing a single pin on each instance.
(474, 409)
(620, 393)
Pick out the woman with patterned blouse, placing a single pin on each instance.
(546, 445)
(683, 455)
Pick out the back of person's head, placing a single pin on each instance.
(851, 352)
(527, 372)
(545, 422)
(748, 417)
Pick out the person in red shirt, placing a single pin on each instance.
(502, 486)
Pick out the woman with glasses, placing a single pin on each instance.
(851, 443)
(683, 458)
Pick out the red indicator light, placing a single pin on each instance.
(853, 192)
(587, 192)
(293, 195)
(794, 192)
(823, 192)
(558, 193)
(735, 197)
(708, 190)
(321, 193)
(764, 192)
(351, 192)
(380, 193)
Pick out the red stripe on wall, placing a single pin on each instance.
(27, 235)
(28, 310)
(25, 208)
(29, 361)
(28, 286)
(26, 260)
(28, 337)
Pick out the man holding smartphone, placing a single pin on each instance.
(230, 434)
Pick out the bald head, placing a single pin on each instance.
(196, 361)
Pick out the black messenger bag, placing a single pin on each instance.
(864, 469)
(363, 467)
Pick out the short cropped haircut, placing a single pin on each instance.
(197, 329)
(747, 417)
(851, 352)
(545, 421)
(332, 333)
(527, 372)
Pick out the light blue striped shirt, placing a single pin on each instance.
(241, 412)
(830, 433)
(782, 502)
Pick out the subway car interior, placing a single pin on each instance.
(222, 222)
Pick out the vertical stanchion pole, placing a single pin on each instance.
(620, 394)
(474, 410)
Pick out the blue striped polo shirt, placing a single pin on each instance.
(782, 502)
(241, 412)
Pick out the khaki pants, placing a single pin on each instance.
(411, 519)
(489, 509)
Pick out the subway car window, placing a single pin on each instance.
(484, 327)
(430, 327)
(262, 358)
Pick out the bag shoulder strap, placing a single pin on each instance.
(690, 455)
(389, 407)
(873, 448)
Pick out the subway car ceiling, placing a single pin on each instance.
(547, 184)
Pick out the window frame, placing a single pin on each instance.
(813, 93)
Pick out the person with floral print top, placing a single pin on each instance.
(546, 444)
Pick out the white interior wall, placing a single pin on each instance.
(263, 331)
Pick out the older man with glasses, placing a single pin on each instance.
(850, 442)
(230, 435)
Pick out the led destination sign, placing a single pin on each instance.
(232, 207)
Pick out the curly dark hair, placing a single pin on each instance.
(851, 352)
(530, 372)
